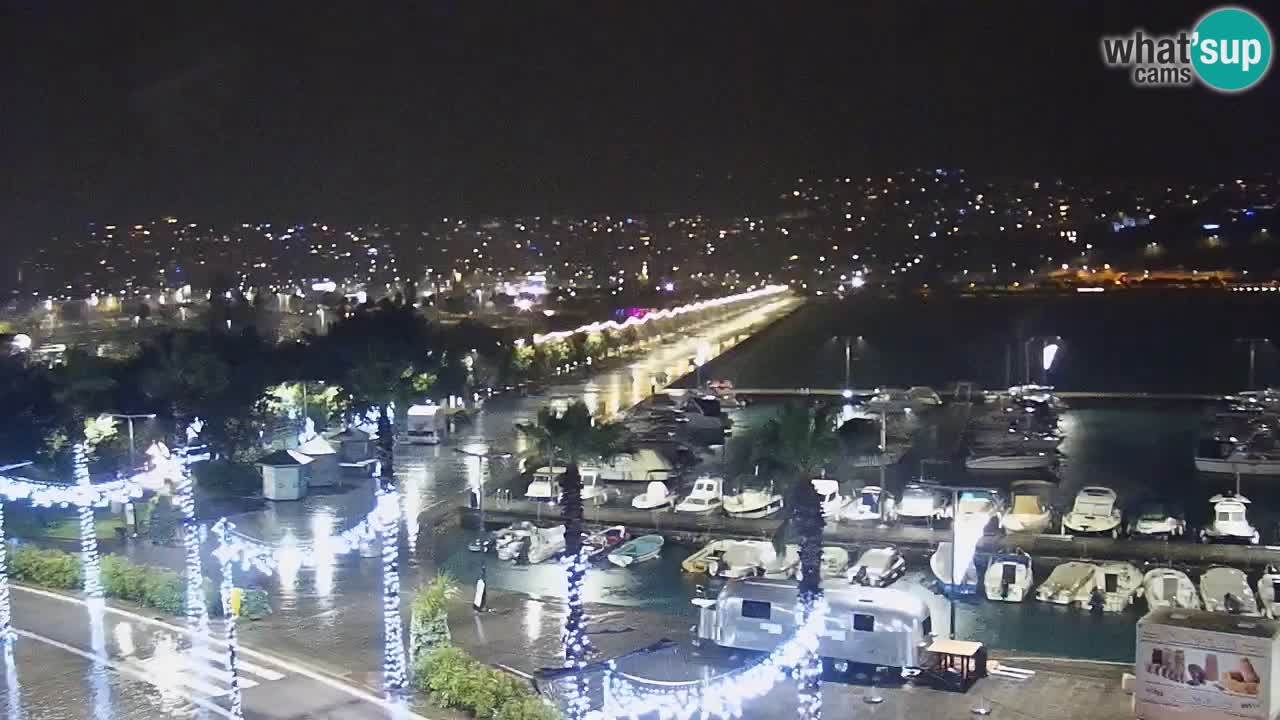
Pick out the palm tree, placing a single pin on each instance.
(797, 443)
(574, 436)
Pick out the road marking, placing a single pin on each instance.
(190, 678)
(398, 708)
(221, 659)
(123, 670)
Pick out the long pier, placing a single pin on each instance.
(695, 529)
(1066, 394)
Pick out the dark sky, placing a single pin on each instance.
(122, 111)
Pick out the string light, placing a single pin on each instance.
(576, 699)
(196, 612)
(223, 531)
(393, 660)
(91, 570)
(6, 613)
(722, 697)
(766, 291)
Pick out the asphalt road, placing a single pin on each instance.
(145, 668)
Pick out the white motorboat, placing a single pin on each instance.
(537, 546)
(1167, 587)
(1226, 590)
(699, 560)
(724, 392)
(921, 396)
(638, 550)
(1269, 592)
(1157, 518)
(1013, 459)
(752, 558)
(707, 496)
(1009, 577)
(656, 496)
(1116, 585)
(923, 503)
(640, 465)
(753, 504)
(1071, 583)
(835, 560)
(877, 567)
(833, 503)
(1230, 522)
(1029, 509)
(872, 503)
(979, 508)
(545, 486)
(953, 583)
(1094, 512)
(602, 542)
(890, 400)
(507, 540)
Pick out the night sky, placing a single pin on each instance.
(115, 111)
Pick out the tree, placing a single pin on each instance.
(573, 436)
(798, 442)
(82, 387)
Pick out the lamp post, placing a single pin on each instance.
(478, 601)
(1253, 343)
(131, 418)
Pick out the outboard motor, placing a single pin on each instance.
(1232, 604)
(860, 577)
(1097, 600)
(1004, 589)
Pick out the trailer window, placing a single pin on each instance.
(755, 609)
(864, 623)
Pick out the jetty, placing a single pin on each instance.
(697, 529)
(1064, 394)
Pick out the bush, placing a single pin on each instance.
(254, 604)
(165, 521)
(148, 586)
(454, 679)
(429, 622)
(49, 568)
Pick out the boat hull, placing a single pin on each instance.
(1016, 462)
(1244, 467)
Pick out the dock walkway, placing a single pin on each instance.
(1065, 394)
(696, 529)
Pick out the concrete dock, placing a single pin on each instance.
(691, 529)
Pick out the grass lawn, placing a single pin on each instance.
(65, 524)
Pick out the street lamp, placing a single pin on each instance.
(1253, 342)
(478, 602)
(479, 489)
(131, 418)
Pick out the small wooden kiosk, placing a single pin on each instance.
(955, 664)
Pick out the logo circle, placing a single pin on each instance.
(1231, 49)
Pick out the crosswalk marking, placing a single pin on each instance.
(202, 669)
(241, 664)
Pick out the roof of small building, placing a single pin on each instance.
(285, 458)
(316, 446)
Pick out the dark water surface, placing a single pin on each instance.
(1173, 343)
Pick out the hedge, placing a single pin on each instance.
(142, 584)
(454, 679)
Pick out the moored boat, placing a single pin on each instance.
(752, 504)
(638, 550)
(1226, 590)
(1070, 583)
(957, 582)
(877, 567)
(1169, 587)
(1116, 584)
(1009, 577)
